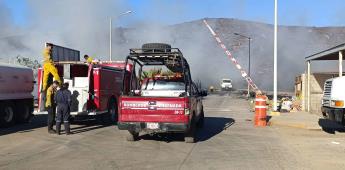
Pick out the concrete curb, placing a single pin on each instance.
(294, 125)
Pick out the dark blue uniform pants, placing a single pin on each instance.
(51, 117)
(62, 114)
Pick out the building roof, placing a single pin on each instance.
(329, 54)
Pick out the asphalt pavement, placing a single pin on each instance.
(228, 141)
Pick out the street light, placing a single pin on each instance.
(110, 31)
(275, 53)
(249, 40)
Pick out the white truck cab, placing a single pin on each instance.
(226, 84)
(333, 99)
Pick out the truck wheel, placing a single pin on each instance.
(23, 114)
(156, 47)
(201, 121)
(132, 136)
(190, 134)
(7, 115)
(112, 111)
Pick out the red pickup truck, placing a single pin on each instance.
(160, 103)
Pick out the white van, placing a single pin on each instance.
(226, 84)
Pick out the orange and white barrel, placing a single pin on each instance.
(260, 111)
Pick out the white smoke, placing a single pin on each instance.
(84, 25)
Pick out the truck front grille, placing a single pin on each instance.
(325, 102)
(327, 89)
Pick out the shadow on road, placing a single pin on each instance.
(330, 126)
(88, 125)
(212, 127)
(37, 121)
(166, 137)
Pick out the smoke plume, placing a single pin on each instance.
(84, 25)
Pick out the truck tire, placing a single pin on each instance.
(132, 136)
(7, 116)
(201, 121)
(156, 47)
(110, 117)
(190, 134)
(112, 111)
(23, 113)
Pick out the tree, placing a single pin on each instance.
(28, 62)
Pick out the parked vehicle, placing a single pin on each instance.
(16, 99)
(333, 99)
(95, 87)
(226, 84)
(167, 101)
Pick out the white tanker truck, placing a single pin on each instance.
(16, 99)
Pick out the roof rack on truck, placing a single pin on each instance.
(171, 57)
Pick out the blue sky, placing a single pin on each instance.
(291, 12)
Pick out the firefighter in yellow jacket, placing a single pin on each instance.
(51, 106)
(48, 66)
(88, 59)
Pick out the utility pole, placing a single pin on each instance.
(275, 108)
(249, 40)
(110, 32)
(110, 38)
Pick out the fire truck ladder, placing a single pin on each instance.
(234, 61)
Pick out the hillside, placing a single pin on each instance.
(208, 61)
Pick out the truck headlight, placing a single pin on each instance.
(337, 103)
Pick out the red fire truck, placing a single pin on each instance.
(95, 87)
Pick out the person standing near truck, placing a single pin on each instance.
(88, 59)
(63, 100)
(51, 106)
(48, 66)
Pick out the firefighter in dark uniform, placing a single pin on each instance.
(63, 101)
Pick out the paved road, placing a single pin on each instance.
(228, 141)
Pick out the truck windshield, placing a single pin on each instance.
(163, 85)
(226, 81)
